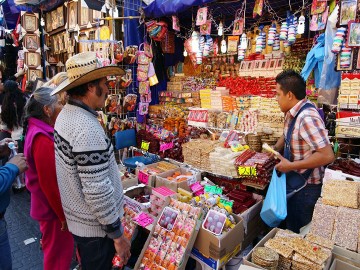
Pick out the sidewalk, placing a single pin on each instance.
(22, 227)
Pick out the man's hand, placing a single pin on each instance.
(122, 247)
(19, 161)
(285, 165)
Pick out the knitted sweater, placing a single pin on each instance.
(88, 176)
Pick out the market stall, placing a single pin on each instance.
(198, 104)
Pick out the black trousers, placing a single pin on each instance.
(96, 253)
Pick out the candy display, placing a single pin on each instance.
(168, 218)
(167, 247)
(214, 222)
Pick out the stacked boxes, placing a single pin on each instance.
(205, 98)
(349, 97)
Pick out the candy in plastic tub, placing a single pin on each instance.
(214, 222)
(168, 218)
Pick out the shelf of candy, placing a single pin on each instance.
(341, 193)
(169, 244)
(248, 121)
(197, 153)
(337, 223)
(291, 251)
(189, 98)
(349, 97)
(222, 161)
(255, 168)
(159, 198)
(205, 98)
(245, 86)
(347, 166)
(243, 200)
(127, 221)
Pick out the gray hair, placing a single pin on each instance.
(40, 98)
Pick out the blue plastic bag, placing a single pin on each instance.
(274, 209)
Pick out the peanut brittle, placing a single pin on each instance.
(319, 240)
(308, 250)
(323, 220)
(341, 193)
(279, 247)
(346, 230)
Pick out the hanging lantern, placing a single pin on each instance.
(220, 29)
(243, 42)
(223, 46)
(195, 41)
(301, 25)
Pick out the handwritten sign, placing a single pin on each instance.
(247, 171)
(145, 145)
(213, 189)
(143, 177)
(226, 202)
(166, 146)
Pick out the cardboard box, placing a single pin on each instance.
(338, 175)
(256, 226)
(253, 211)
(271, 234)
(347, 256)
(161, 179)
(188, 248)
(149, 179)
(135, 205)
(211, 263)
(340, 265)
(128, 182)
(246, 267)
(217, 247)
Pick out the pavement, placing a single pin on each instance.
(22, 227)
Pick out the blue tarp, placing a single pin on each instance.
(161, 8)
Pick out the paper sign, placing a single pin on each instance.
(145, 145)
(226, 202)
(247, 171)
(191, 180)
(143, 177)
(143, 219)
(213, 189)
(166, 146)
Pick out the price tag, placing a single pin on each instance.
(191, 180)
(226, 202)
(213, 189)
(166, 146)
(145, 145)
(143, 177)
(247, 171)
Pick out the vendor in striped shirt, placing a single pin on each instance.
(308, 144)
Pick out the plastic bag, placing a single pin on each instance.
(274, 209)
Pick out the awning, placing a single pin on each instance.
(161, 8)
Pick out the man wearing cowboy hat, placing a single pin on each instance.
(88, 176)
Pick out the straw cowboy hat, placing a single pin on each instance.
(83, 68)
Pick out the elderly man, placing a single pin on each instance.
(88, 176)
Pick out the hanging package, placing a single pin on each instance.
(274, 209)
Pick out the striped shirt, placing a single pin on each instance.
(308, 136)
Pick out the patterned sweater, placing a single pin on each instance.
(88, 176)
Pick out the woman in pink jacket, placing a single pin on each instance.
(57, 242)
